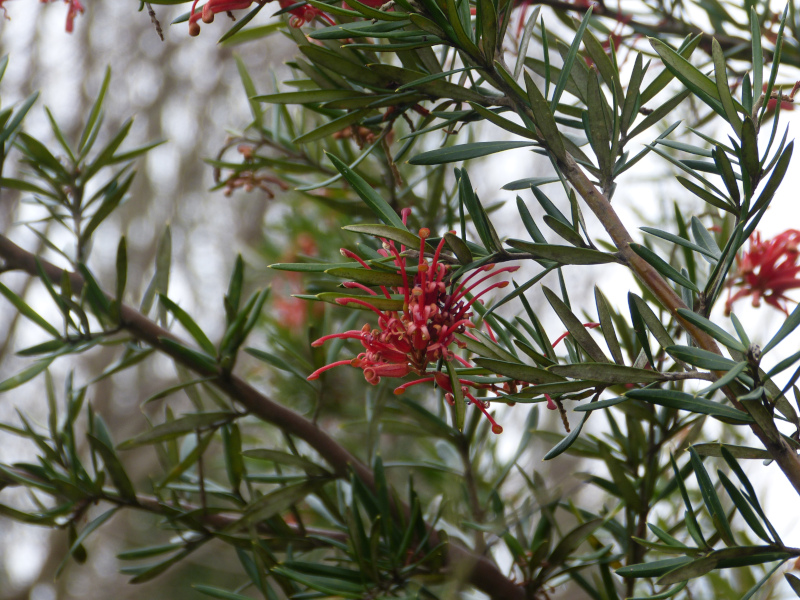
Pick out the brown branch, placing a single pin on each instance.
(484, 574)
(787, 459)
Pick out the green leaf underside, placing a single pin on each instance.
(684, 401)
(566, 255)
(451, 154)
(519, 371)
(381, 303)
(607, 373)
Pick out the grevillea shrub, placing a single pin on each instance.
(431, 398)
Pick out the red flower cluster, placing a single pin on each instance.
(434, 310)
(767, 270)
(300, 15)
(212, 7)
(304, 14)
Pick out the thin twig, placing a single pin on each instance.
(154, 20)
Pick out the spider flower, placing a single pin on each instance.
(304, 14)
(413, 340)
(767, 270)
(212, 7)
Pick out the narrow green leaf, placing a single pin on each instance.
(451, 154)
(459, 248)
(684, 401)
(114, 467)
(275, 502)
(788, 326)
(607, 326)
(707, 196)
(663, 267)
(284, 458)
(721, 559)
(308, 96)
(775, 180)
(711, 499)
(654, 568)
(26, 311)
(712, 329)
(13, 125)
(502, 122)
(653, 323)
(704, 238)
(607, 373)
(726, 171)
(701, 358)
(26, 374)
(370, 197)
(575, 327)
(213, 592)
(569, 59)
(401, 236)
(568, 441)
(332, 127)
(94, 114)
(639, 328)
(565, 255)
(545, 120)
(188, 323)
(742, 505)
(480, 219)
(335, 62)
(725, 379)
(518, 371)
(632, 95)
(723, 89)
(758, 56)
(598, 130)
(794, 583)
(367, 276)
(681, 242)
(459, 405)
(85, 533)
(178, 427)
(690, 76)
(354, 301)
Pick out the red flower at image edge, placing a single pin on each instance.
(767, 270)
(300, 15)
(406, 342)
(74, 8)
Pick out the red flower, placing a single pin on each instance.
(304, 14)
(212, 7)
(300, 15)
(410, 341)
(767, 270)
